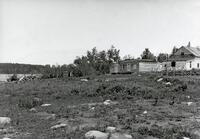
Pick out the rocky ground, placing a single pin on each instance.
(107, 107)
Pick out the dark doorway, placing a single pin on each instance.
(173, 64)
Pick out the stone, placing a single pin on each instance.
(58, 126)
(46, 116)
(84, 80)
(6, 138)
(145, 112)
(4, 121)
(189, 103)
(159, 80)
(107, 102)
(111, 129)
(45, 105)
(94, 134)
(120, 136)
(33, 110)
(186, 138)
(188, 97)
(168, 83)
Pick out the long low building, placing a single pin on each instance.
(134, 66)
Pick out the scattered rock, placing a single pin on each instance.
(107, 80)
(59, 126)
(6, 138)
(145, 112)
(33, 110)
(168, 83)
(4, 121)
(189, 103)
(188, 97)
(45, 105)
(111, 129)
(107, 102)
(120, 136)
(92, 108)
(84, 80)
(46, 116)
(159, 80)
(96, 135)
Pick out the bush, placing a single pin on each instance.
(74, 92)
(143, 130)
(29, 102)
(13, 78)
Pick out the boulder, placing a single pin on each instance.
(4, 121)
(94, 134)
(58, 126)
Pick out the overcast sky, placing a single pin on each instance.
(56, 31)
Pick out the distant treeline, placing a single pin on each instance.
(15, 68)
(48, 71)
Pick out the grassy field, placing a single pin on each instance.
(140, 106)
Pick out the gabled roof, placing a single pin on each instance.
(194, 50)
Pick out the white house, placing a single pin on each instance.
(185, 58)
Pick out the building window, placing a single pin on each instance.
(190, 64)
(123, 67)
(133, 66)
(173, 64)
(182, 53)
(197, 65)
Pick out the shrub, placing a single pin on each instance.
(74, 92)
(101, 90)
(29, 102)
(13, 78)
(156, 131)
(143, 130)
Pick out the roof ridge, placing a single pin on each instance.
(194, 50)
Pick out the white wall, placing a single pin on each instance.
(194, 64)
(148, 67)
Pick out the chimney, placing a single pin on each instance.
(189, 44)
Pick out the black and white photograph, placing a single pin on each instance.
(99, 69)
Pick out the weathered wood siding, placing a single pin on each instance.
(149, 66)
